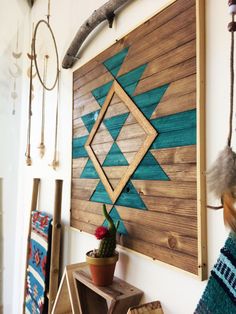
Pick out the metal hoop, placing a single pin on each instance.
(35, 59)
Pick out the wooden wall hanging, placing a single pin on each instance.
(138, 138)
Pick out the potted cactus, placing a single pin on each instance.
(102, 261)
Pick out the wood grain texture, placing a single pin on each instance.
(159, 196)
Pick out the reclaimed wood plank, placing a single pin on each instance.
(169, 75)
(159, 220)
(177, 259)
(83, 188)
(176, 206)
(175, 56)
(85, 105)
(176, 155)
(186, 190)
(78, 166)
(167, 39)
(89, 228)
(115, 172)
(181, 172)
(166, 239)
(179, 104)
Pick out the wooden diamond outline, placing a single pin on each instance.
(141, 119)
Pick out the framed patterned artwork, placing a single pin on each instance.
(138, 138)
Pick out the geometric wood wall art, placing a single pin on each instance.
(138, 138)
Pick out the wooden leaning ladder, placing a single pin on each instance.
(55, 241)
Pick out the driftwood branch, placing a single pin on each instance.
(105, 12)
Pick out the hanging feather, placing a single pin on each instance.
(222, 175)
(229, 202)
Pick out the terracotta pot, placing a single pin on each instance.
(102, 268)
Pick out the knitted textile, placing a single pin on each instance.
(219, 296)
(38, 264)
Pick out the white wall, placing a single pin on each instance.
(13, 16)
(179, 292)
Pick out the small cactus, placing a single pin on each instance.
(107, 236)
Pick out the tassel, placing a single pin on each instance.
(229, 202)
(222, 175)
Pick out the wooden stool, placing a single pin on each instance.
(114, 299)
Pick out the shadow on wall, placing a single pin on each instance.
(1, 251)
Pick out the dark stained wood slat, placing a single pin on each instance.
(162, 41)
(176, 155)
(180, 260)
(186, 190)
(167, 76)
(159, 220)
(181, 172)
(176, 206)
(83, 188)
(171, 240)
(82, 226)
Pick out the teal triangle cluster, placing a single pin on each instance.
(90, 119)
(115, 157)
(115, 124)
(149, 169)
(114, 63)
(130, 198)
(116, 217)
(100, 93)
(130, 80)
(89, 171)
(100, 194)
(148, 101)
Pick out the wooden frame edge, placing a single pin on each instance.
(201, 142)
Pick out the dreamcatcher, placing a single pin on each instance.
(47, 70)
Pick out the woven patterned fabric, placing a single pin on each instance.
(38, 264)
(219, 296)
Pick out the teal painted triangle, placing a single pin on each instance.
(148, 101)
(149, 169)
(78, 149)
(115, 124)
(175, 130)
(130, 198)
(100, 195)
(89, 171)
(116, 217)
(130, 80)
(115, 157)
(114, 63)
(90, 119)
(100, 93)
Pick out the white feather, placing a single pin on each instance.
(222, 175)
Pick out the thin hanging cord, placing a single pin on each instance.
(231, 86)
(27, 153)
(55, 162)
(229, 140)
(41, 145)
(48, 15)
